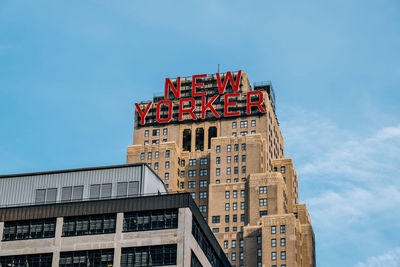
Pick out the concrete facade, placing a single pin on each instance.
(224, 163)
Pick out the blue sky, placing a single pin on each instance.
(70, 72)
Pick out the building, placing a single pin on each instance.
(230, 158)
(133, 221)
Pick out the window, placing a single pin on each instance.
(226, 218)
(234, 217)
(192, 184)
(146, 133)
(203, 172)
(234, 205)
(259, 264)
(217, 181)
(100, 190)
(253, 123)
(146, 142)
(263, 213)
(165, 131)
(167, 153)
(31, 229)
(283, 229)
(156, 166)
(228, 180)
(236, 147)
(243, 169)
(259, 254)
(155, 141)
(236, 180)
(193, 194)
(43, 260)
(235, 193)
(227, 194)
(236, 170)
(203, 208)
(89, 225)
(218, 149)
(203, 195)
(228, 148)
(273, 256)
(228, 170)
(275, 169)
(203, 183)
(218, 160)
(283, 242)
(244, 147)
(228, 159)
(142, 156)
(226, 206)
(253, 132)
(236, 158)
(167, 164)
(273, 229)
(215, 230)
(242, 193)
(226, 244)
(259, 239)
(273, 242)
(241, 256)
(46, 195)
(233, 256)
(243, 133)
(263, 189)
(283, 255)
(218, 172)
(234, 134)
(156, 154)
(147, 256)
(242, 205)
(166, 176)
(182, 174)
(241, 243)
(243, 158)
(164, 140)
(156, 132)
(233, 243)
(72, 192)
(234, 125)
(192, 173)
(183, 163)
(243, 124)
(215, 219)
(283, 169)
(192, 162)
(203, 161)
(263, 202)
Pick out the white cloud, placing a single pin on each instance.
(389, 259)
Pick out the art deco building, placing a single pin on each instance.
(235, 169)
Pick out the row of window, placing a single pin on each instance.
(74, 193)
(156, 132)
(283, 169)
(244, 133)
(91, 225)
(228, 170)
(282, 229)
(229, 148)
(156, 154)
(155, 141)
(131, 256)
(217, 219)
(193, 162)
(234, 194)
(243, 124)
(234, 229)
(228, 159)
(234, 206)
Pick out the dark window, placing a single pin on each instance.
(31, 229)
(283, 229)
(150, 220)
(212, 132)
(34, 260)
(200, 139)
(215, 219)
(187, 140)
(98, 258)
(148, 256)
(89, 225)
(194, 261)
(46, 195)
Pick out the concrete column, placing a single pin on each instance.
(118, 238)
(193, 144)
(1, 231)
(57, 242)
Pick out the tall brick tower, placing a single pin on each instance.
(230, 157)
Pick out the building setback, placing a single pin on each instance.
(234, 168)
(148, 228)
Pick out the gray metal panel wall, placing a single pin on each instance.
(19, 190)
